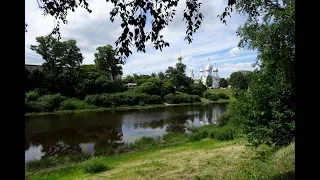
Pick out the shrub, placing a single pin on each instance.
(30, 106)
(143, 143)
(148, 88)
(223, 133)
(206, 94)
(264, 151)
(202, 134)
(197, 89)
(223, 96)
(167, 88)
(213, 97)
(93, 166)
(181, 98)
(118, 99)
(51, 161)
(48, 103)
(224, 119)
(67, 105)
(32, 96)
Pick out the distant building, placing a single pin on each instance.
(208, 72)
(32, 67)
(131, 85)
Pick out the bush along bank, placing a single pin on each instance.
(34, 103)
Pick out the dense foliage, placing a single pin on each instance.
(240, 80)
(267, 110)
(64, 84)
(181, 98)
(209, 81)
(223, 83)
(119, 99)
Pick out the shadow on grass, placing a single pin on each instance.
(290, 175)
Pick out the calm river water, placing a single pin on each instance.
(89, 132)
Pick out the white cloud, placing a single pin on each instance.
(235, 51)
(226, 69)
(213, 39)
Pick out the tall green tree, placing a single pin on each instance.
(240, 80)
(267, 110)
(62, 60)
(177, 76)
(161, 75)
(153, 75)
(209, 81)
(223, 83)
(105, 60)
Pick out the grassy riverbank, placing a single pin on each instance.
(210, 153)
(122, 108)
(205, 159)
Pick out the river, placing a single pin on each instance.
(90, 132)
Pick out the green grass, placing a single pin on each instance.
(79, 104)
(207, 158)
(226, 91)
(200, 155)
(93, 166)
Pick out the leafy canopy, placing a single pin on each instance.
(133, 18)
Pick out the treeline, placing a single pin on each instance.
(65, 84)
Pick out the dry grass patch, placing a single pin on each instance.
(183, 163)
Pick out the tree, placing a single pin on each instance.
(167, 88)
(27, 74)
(106, 61)
(153, 75)
(161, 76)
(177, 76)
(223, 83)
(267, 110)
(128, 79)
(148, 88)
(133, 15)
(197, 89)
(62, 63)
(240, 80)
(209, 81)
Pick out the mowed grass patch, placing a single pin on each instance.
(203, 159)
(228, 92)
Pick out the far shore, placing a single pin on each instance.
(123, 108)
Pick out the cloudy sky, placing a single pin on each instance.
(213, 40)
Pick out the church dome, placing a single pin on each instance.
(208, 67)
(215, 69)
(201, 70)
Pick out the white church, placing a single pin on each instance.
(207, 72)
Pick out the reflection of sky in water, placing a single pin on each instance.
(87, 148)
(130, 134)
(33, 153)
(132, 124)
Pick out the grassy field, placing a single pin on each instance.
(205, 159)
(226, 91)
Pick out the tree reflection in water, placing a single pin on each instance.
(103, 132)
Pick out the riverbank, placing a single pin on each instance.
(123, 108)
(203, 159)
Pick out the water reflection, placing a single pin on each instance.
(100, 133)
